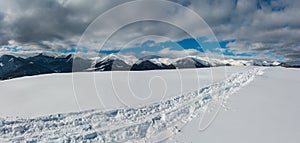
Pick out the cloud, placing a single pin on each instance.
(169, 53)
(36, 21)
(39, 22)
(257, 26)
(142, 18)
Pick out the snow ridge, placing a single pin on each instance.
(151, 123)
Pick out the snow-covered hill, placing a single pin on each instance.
(255, 108)
(146, 123)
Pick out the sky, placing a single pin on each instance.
(253, 29)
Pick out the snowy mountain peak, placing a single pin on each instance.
(110, 56)
(126, 58)
(160, 61)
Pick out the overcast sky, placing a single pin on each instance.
(247, 27)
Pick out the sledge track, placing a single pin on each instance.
(148, 123)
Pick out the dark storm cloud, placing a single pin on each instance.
(35, 21)
(1, 18)
(3, 38)
(47, 20)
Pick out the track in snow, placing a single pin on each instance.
(153, 122)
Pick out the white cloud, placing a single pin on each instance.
(168, 53)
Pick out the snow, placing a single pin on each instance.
(160, 61)
(127, 124)
(128, 59)
(238, 62)
(1, 64)
(11, 60)
(275, 63)
(53, 93)
(218, 62)
(264, 111)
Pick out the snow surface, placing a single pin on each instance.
(53, 93)
(265, 111)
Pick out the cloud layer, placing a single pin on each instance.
(269, 26)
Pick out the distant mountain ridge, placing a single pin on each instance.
(13, 67)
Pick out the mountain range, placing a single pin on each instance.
(13, 67)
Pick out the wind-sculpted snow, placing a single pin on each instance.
(153, 122)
